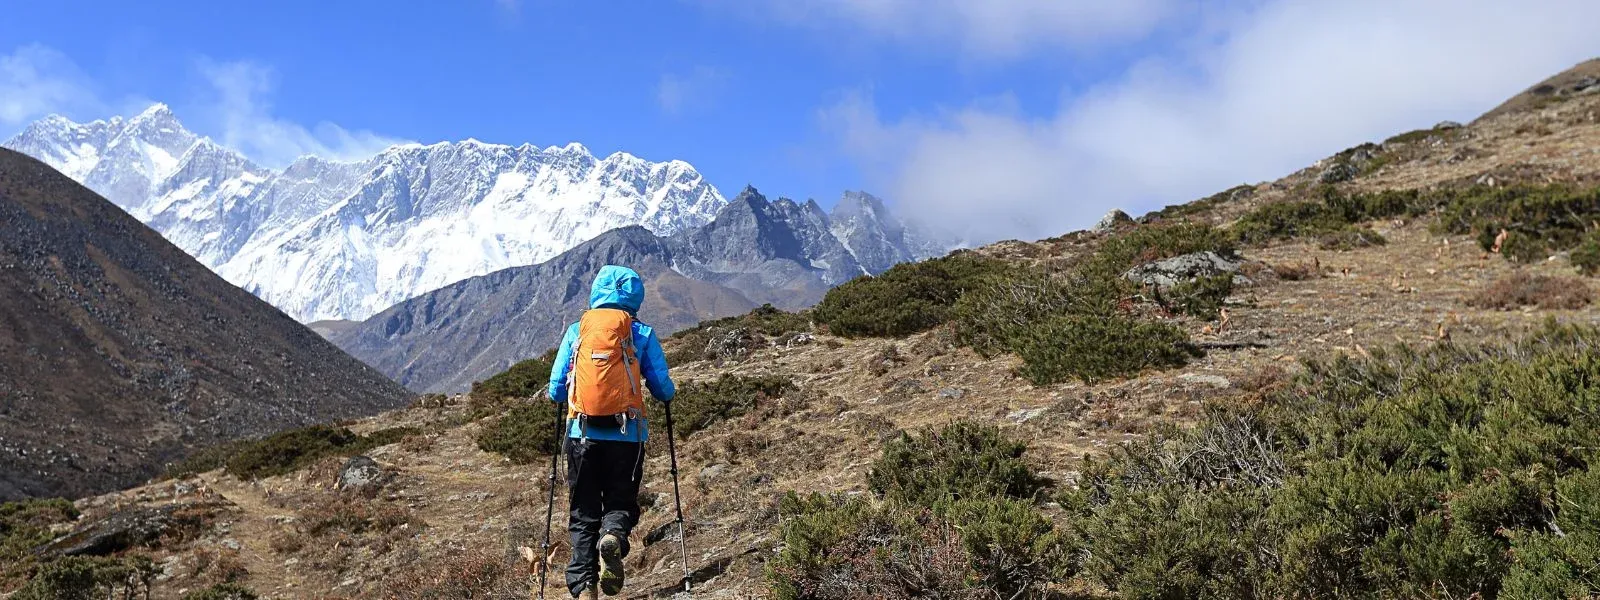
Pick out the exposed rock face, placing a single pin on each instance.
(754, 252)
(1111, 221)
(119, 352)
(360, 474)
(117, 531)
(1178, 269)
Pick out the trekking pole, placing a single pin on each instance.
(550, 508)
(683, 541)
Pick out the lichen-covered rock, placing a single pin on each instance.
(1111, 221)
(1178, 269)
(361, 474)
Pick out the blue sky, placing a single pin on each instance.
(1011, 118)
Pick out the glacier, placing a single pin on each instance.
(323, 239)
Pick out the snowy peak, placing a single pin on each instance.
(325, 239)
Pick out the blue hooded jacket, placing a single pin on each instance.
(616, 287)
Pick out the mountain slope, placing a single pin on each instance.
(341, 240)
(119, 351)
(754, 252)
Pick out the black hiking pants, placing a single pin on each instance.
(603, 477)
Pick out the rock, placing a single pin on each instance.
(114, 533)
(1110, 222)
(1178, 269)
(1447, 125)
(666, 531)
(713, 471)
(1339, 172)
(731, 345)
(1025, 415)
(952, 393)
(361, 474)
(1216, 381)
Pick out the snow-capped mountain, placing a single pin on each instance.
(323, 239)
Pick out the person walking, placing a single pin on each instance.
(604, 363)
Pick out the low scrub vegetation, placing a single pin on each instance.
(700, 404)
(526, 379)
(1586, 257)
(524, 433)
(91, 578)
(1201, 297)
(222, 591)
(24, 525)
(956, 519)
(1092, 348)
(1445, 472)
(906, 299)
(1521, 289)
(1538, 220)
(286, 451)
(961, 460)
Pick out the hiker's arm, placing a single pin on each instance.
(562, 365)
(653, 366)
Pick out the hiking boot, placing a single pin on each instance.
(611, 576)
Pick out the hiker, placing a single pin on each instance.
(597, 372)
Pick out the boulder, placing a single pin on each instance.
(113, 533)
(1447, 125)
(1168, 272)
(1339, 172)
(1111, 221)
(361, 474)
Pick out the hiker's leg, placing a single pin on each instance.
(584, 478)
(620, 493)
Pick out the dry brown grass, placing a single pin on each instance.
(1526, 289)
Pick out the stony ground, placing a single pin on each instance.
(454, 513)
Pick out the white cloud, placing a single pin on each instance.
(984, 28)
(695, 90)
(1272, 89)
(243, 111)
(36, 80)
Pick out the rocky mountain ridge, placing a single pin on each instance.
(326, 239)
(753, 252)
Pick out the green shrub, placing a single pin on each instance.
(837, 547)
(524, 433)
(1540, 220)
(24, 525)
(994, 316)
(700, 404)
(1350, 238)
(222, 591)
(291, 450)
(906, 299)
(960, 460)
(1092, 348)
(1586, 257)
(1450, 471)
(526, 379)
(90, 578)
(1201, 297)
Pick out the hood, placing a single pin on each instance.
(617, 287)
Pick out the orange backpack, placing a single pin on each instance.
(604, 381)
